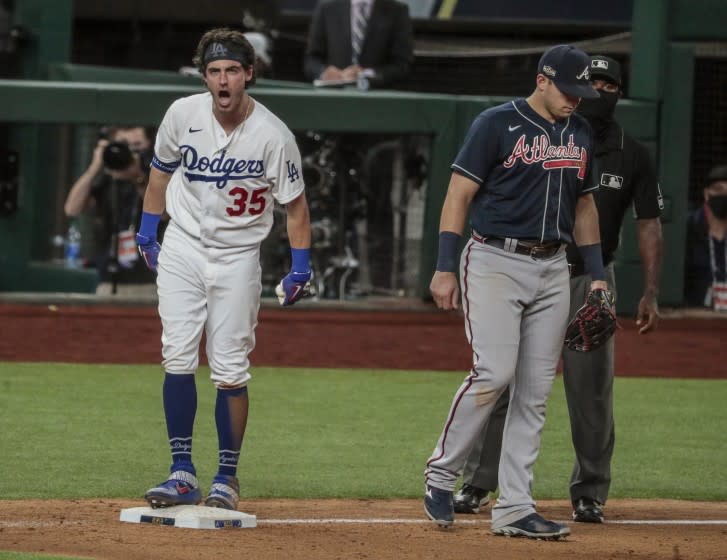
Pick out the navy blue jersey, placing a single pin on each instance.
(530, 171)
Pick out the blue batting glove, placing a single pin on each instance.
(293, 287)
(149, 250)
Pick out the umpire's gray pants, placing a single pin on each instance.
(588, 379)
(515, 310)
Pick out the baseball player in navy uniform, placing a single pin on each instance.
(221, 159)
(525, 176)
(626, 178)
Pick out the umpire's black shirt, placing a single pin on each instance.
(626, 175)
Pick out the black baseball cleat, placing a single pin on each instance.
(587, 510)
(439, 506)
(470, 499)
(535, 527)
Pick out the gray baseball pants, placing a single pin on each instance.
(588, 379)
(515, 310)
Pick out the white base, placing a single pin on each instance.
(190, 517)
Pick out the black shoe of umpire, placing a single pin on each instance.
(470, 499)
(587, 510)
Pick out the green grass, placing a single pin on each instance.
(76, 431)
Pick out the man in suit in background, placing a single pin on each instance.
(354, 39)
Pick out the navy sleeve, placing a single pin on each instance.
(479, 151)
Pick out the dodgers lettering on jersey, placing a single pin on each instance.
(220, 169)
(223, 188)
(530, 171)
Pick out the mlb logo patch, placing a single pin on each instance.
(602, 64)
(611, 181)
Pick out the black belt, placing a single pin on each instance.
(531, 248)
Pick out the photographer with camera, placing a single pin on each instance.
(113, 188)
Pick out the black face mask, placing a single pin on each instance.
(599, 111)
(718, 206)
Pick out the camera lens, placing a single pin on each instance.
(117, 156)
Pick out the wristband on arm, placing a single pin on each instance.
(300, 260)
(447, 260)
(593, 261)
(149, 225)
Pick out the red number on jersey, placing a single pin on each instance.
(257, 202)
(240, 205)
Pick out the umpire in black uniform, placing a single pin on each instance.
(627, 178)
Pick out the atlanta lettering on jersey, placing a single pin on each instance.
(220, 169)
(553, 157)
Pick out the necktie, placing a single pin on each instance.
(358, 29)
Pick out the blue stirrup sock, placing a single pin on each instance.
(231, 418)
(180, 408)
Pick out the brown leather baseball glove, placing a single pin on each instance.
(593, 324)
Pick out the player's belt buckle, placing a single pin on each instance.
(544, 251)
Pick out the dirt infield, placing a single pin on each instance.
(93, 529)
(324, 529)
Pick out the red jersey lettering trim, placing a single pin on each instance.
(553, 157)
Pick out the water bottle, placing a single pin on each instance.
(73, 246)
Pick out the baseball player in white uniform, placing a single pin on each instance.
(221, 159)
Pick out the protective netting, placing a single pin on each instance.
(709, 120)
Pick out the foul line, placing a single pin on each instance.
(343, 521)
(28, 523)
(33, 524)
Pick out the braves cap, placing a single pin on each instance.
(569, 68)
(605, 68)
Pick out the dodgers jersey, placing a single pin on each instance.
(530, 171)
(223, 188)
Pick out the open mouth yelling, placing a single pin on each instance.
(224, 99)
